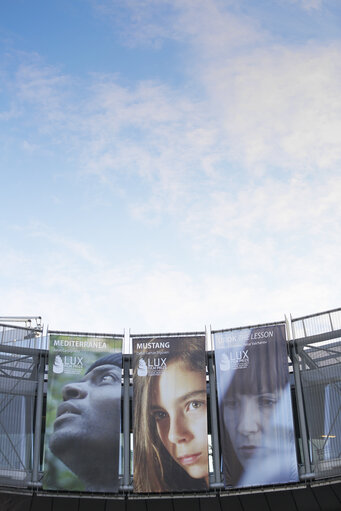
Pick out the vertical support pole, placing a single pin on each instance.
(331, 322)
(214, 414)
(300, 406)
(38, 418)
(126, 415)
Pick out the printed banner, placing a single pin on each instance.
(170, 414)
(256, 423)
(83, 413)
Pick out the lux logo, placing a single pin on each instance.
(73, 361)
(157, 362)
(240, 355)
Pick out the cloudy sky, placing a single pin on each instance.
(169, 164)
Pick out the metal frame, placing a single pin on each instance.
(18, 377)
(13, 356)
(312, 353)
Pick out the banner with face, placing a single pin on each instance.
(83, 414)
(170, 414)
(255, 411)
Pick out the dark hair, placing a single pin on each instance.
(154, 468)
(267, 370)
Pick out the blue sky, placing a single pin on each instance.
(169, 164)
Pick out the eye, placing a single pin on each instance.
(267, 402)
(159, 415)
(108, 378)
(194, 405)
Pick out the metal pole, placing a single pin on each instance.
(301, 414)
(126, 422)
(214, 415)
(214, 422)
(300, 405)
(38, 419)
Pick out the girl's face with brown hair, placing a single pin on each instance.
(179, 407)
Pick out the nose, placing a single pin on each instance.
(179, 431)
(249, 419)
(74, 391)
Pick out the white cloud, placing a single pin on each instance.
(276, 105)
(108, 298)
(208, 23)
(277, 207)
(248, 169)
(281, 107)
(309, 5)
(41, 86)
(274, 108)
(269, 107)
(30, 148)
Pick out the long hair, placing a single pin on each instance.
(266, 372)
(154, 469)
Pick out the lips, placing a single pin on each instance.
(67, 408)
(189, 459)
(248, 450)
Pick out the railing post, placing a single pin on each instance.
(214, 415)
(300, 404)
(126, 415)
(38, 419)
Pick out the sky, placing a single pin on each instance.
(168, 165)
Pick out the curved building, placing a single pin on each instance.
(272, 425)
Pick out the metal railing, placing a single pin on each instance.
(315, 353)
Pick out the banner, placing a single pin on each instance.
(256, 423)
(83, 413)
(170, 414)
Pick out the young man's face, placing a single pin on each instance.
(88, 420)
